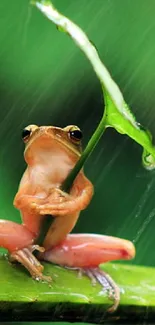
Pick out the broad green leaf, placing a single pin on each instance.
(117, 113)
(71, 298)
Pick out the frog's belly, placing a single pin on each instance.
(50, 175)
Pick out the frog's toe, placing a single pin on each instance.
(54, 211)
(30, 262)
(107, 283)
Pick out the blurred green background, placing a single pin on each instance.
(46, 80)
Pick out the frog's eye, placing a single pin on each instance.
(75, 135)
(26, 134)
(28, 131)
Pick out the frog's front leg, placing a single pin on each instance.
(88, 251)
(60, 203)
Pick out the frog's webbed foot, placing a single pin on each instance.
(30, 262)
(107, 283)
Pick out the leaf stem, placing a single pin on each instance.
(86, 153)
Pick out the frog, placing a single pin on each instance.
(50, 154)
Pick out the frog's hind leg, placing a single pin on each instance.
(14, 236)
(18, 240)
(86, 252)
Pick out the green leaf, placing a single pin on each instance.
(70, 298)
(118, 114)
(125, 123)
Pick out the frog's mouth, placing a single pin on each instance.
(51, 141)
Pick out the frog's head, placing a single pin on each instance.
(41, 142)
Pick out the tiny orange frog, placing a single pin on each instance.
(51, 153)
